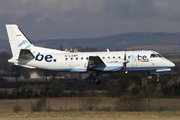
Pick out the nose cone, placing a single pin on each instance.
(171, 64)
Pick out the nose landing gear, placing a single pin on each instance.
(157, 76)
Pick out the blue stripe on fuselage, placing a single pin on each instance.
(109, 69)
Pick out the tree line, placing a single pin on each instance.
(119, 85)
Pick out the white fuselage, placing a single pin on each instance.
(27, 55)
(78, 61)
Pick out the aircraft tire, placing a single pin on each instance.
(97, 81)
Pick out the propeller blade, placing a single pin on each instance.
(125, 56)
(125, 67)
(125, 62)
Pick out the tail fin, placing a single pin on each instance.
(18, 41)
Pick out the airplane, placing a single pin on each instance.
(25, 54)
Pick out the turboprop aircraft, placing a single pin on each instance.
(25, 54)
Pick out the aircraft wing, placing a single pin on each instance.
(95, 61)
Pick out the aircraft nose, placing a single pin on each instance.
(171, 64)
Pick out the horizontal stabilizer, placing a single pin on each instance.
(24, 66)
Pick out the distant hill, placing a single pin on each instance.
(3, 42)
(162, 42)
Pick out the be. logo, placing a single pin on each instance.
(47, 58)
(138, 58)
(142, 58)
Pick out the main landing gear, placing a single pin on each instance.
(96, 79)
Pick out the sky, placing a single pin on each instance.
(54, 19)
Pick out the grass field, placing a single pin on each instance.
(75, 104)
(71, 108)
(90, 116)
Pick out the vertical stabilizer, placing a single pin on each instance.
(17, 40)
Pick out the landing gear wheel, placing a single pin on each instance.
(97, 81)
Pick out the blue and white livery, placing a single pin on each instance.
(25, 54)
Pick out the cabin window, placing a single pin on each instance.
(103, 57)
(71, 58)
(76, 58)
(66, 59)
(108, 57)
(81, 58)
(114, 57)
(119, 57)
(87, 58)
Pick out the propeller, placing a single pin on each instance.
(125, 62)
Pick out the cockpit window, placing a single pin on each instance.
(153, 55)
(159, 55)
(156, 55)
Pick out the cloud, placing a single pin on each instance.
(43, 19)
